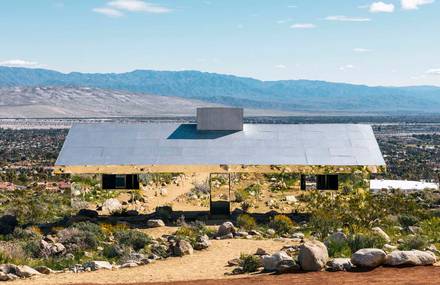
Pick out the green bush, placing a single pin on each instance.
(246, 222)
(76, 240)
(91, 228)
(249, 263)
(112, 251)
(407, 220)
(132, 238)
(241, 195)
(281, 224)
(431, 229)
(191, 231)
(413, 242)
(338, 248)
(366, 240)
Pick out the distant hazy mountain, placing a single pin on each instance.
(288, 95)
(68, 102)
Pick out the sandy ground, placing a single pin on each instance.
(208, 264)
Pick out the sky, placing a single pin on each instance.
(390, 43)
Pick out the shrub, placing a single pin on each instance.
(32, 248)
(414, 242)
(113, 251)
(76, 240)
(246, 222)
(338, 248)
(431, 229)
(367, 240)
(281, 224)
(132, 238)
(407, 220)
(249, 263)
(241, 195)
(91, 228)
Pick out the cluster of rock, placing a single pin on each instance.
(10, 272)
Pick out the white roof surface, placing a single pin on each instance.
(257, 144)
(403, 185)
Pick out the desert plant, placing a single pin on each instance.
(76, 240)
(113, 251)
(365, 240)
(132, 238)
(431, 229)
(338, 248)
(281, 224)
(249, 263)
(407, 220)
(413, 242)
(246, 222)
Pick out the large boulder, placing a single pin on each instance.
(202, 242)
(98, 264)
(410, 258)
(182, 247)
(313, 256)
(7, 277)
(155, 223)
(368, 257)
(340, 264)
(112, 205)
(25, 271)
(225, 229)
(272, 262)
(379, 232)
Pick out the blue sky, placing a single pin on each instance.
(394, 42)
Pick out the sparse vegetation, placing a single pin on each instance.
(246, 222)
(281, 224)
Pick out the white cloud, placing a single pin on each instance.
(280, 66)
(414, 4)
(381, 7)
(347, 19)
(303, 26)
(284, 21)
(361, 50)
(433, 71)
(138, 6)
(109, 12)
(19, 63)
(347, 66)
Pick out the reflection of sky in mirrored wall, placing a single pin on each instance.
(387, 42)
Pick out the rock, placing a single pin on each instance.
(378, 231)
(241, 234)
(155, 223)
(338, 237)
(271, 262)
(129, 265)
(270, 232)
(433, 248)
(286, 266)
(25, 271)
(414, 230)
(313, 256)
(182, 248)
(44, 270)
(7, 277)
(228, 236)
(298, 235)
(340, 264)
(291, 199)
(234, 262)
(368, 257)
(163, 192)
(57, 249)
(254, 233)
(202, 242)
(261, 251)
(410, 258)
(112, 206)
(98, 264)
(389, 247)
(88, 213)
(226, 228)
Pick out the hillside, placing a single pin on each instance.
(288, 95)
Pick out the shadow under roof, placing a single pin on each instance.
(104, 144)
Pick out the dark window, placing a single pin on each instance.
(303, 182)
(327, 182)
(112, 181)
(121, 181)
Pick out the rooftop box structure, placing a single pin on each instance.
(219, 119)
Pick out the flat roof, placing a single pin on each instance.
(102, 144)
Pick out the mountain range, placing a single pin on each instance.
(194, 88)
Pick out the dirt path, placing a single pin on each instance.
(386, 276)
(208, 264)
